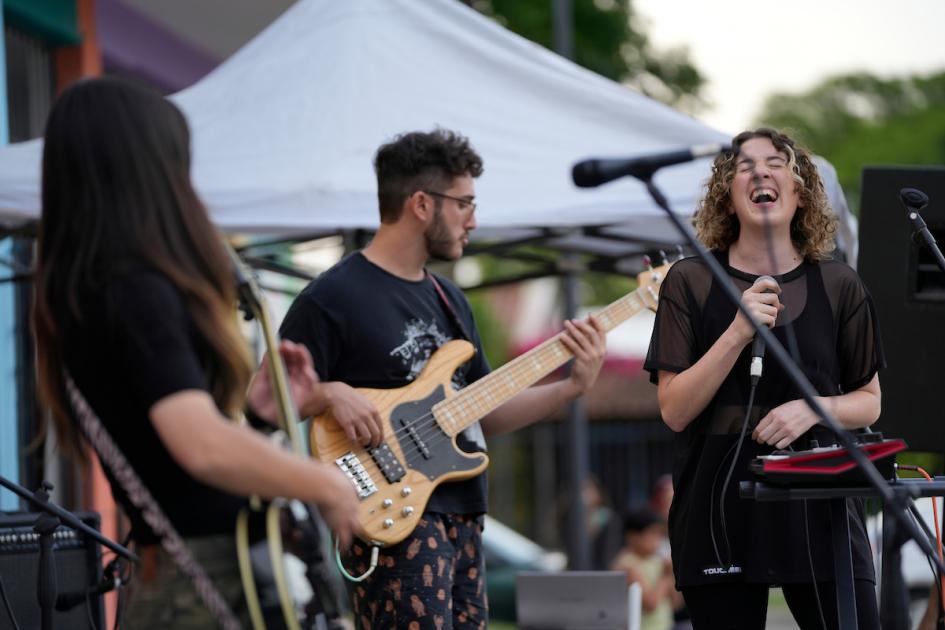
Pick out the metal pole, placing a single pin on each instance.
(578, 545)
(579, 551)
(562, 19)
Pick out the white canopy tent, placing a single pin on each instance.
(284, 131)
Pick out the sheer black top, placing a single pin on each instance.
(838, 342)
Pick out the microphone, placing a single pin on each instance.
(594, 172)
(913, 199)
(758, 346)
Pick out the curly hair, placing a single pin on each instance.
(814, 223)
(420, 161)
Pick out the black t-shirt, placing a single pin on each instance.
(369, 328)
(838, 340)
(135, 345)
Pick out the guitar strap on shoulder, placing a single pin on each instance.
(454, 316)
(154, 516)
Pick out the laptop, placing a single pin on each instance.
(572, 600)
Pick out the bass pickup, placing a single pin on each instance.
(387, 463)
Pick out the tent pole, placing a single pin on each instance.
(576, 424)
(577, 441)
(562, 14)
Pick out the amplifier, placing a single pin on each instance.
(78, 567)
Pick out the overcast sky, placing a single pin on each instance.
(748, 49)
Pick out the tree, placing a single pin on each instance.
(609, 40)
(858, 119)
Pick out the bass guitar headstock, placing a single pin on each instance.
(650, 280)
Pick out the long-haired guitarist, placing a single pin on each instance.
(373, 321)
(135, 295)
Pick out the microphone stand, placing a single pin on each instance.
(50, 517)
(892, 496)
(922, 236)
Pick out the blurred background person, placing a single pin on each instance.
(643, 535)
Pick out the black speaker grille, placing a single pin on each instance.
(78, 567)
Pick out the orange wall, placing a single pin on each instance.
(84, 60)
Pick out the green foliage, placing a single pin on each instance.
(609, 41)
(859, 120)
(930, 462)
(595, 288)
(602, 288)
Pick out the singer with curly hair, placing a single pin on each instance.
(766, 219)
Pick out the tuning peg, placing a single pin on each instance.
(679, 252)
(663, 257)
(647, 262)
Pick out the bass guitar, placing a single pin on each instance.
(395, 479)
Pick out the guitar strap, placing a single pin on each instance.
(154, 516)
(454, 316)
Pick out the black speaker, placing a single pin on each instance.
(909, 291)
(78, 567)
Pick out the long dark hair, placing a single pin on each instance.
(116, 193)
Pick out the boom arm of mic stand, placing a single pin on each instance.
(800, 381)
(67, 518)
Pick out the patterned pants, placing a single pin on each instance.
(435, 578)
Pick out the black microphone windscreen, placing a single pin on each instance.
(913, 198)
(585, 174)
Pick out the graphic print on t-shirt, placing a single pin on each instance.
(421, 340)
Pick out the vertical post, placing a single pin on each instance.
(894, 595)
(578, 545)
(545, 496)
(579, 549)
(562, 14)
(842, 564)
(9, 435)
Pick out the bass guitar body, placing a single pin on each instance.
(395, 479)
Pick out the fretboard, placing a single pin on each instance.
(472, 403)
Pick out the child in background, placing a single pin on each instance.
(642, 561)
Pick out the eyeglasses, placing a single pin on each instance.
(464, 204)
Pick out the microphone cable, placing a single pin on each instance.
(728, 477)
